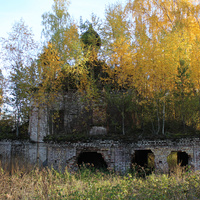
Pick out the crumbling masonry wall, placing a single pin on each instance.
(117, 155)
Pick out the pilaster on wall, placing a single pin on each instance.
(38, 124)
(33, 119)
(196, 159)
(161, 155)
(120, 158)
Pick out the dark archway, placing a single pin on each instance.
(177, 158)
(182, 158)
(144, 158)
(92, 159)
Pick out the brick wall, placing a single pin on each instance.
(117, 155)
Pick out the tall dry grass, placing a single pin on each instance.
(87, 184)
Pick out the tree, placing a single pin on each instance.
(1, 91)
(62, 32)
(19, 50)
(49, 72)
(56, 23)
(143, 44)
(120, 54)
(165, 32)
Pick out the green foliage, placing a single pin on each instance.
(68, 79)
(18, 52)
(6, 126)
(56, 22)
(120, 106)
(7, 129)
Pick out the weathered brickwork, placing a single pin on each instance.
(117, 155)
(23, 153)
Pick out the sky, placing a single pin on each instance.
(31, 11)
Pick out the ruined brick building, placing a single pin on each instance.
(114, 155)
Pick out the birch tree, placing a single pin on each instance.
(1, 91)
(19, 49)
(55, 23)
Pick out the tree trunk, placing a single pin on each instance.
(199, 106)
(163, 124)
(123, 128)
(158, 119)
(17, 118)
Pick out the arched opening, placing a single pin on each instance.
(182, 158)
(143, 159)
(177, 158)
(91, 159)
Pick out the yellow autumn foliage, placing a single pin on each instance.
(146, 53)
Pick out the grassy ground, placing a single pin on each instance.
(87, 184)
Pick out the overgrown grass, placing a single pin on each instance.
(86, 184)
(84, 137)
